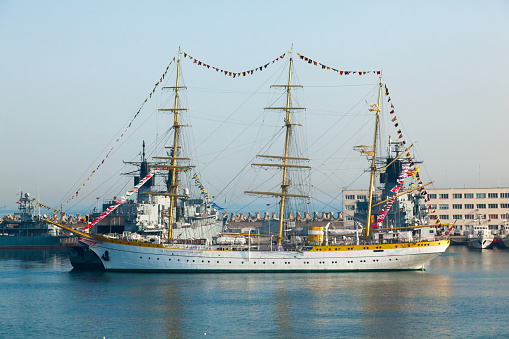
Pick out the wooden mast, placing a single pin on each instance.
(373, 161)
(284, 165)
(173, 168)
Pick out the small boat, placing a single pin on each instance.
(480, 237)
(502, 238)
(372, 248)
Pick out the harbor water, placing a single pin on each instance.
(462, 293)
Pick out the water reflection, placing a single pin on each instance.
(468, 287)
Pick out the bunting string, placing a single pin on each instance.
(415, 170)
(121, 200)
(385, 210)
(328, 68)
(49, 208)
(230, 73)
(121, 135)
(198, 184)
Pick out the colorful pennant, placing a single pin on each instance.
(229, 73)
(198, 184)
(122, 200)
(121, 135)
(416, 180)
(316, 63)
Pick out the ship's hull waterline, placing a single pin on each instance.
(117, 256)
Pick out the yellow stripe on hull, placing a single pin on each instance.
(380, 246)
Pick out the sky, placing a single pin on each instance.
(75, 73)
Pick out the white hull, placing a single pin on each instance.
(480, 242)
(144, 257)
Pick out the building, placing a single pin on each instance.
(352, 200)
(460, 205)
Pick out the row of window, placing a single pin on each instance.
(468, 195)
(471, 216)
(467, 227)
(352, 197)
(467, 206)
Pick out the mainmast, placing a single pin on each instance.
(173, 168)
(284, 165)
(373, 160)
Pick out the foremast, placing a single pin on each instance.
(173, 168)
(284, 165)
(373, 160)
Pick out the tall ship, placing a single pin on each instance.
(372, 247)
(26, 230)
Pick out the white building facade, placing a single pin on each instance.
(460, 205)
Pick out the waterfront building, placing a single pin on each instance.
(451, 204)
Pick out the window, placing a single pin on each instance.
(481, 205)
(492, 205)
(444, 196)
(432, 196)
(469, 195)
(469, 206)
(492, 195)
(445, 217)
(433, 206)
(349, 217)
(350, 197)
(457, 196)
(444, 206)
(480, 195)
(504, 205)
(361, 197)
(504, 216)
(457, 206)
(350, 207)
(493, 216)
(469, 216)
(504, 195)
(493, 227)
(457, 216)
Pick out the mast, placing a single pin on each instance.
(373, 160)
(173, 168)
(284, 164)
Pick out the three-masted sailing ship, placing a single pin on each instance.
(368, 252)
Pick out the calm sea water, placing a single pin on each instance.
(462, 293)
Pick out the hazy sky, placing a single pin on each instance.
(75, 72)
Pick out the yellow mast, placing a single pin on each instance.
(288, 123)
(176, 126)
(284, 165)
(173, 168)
(373, 161)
